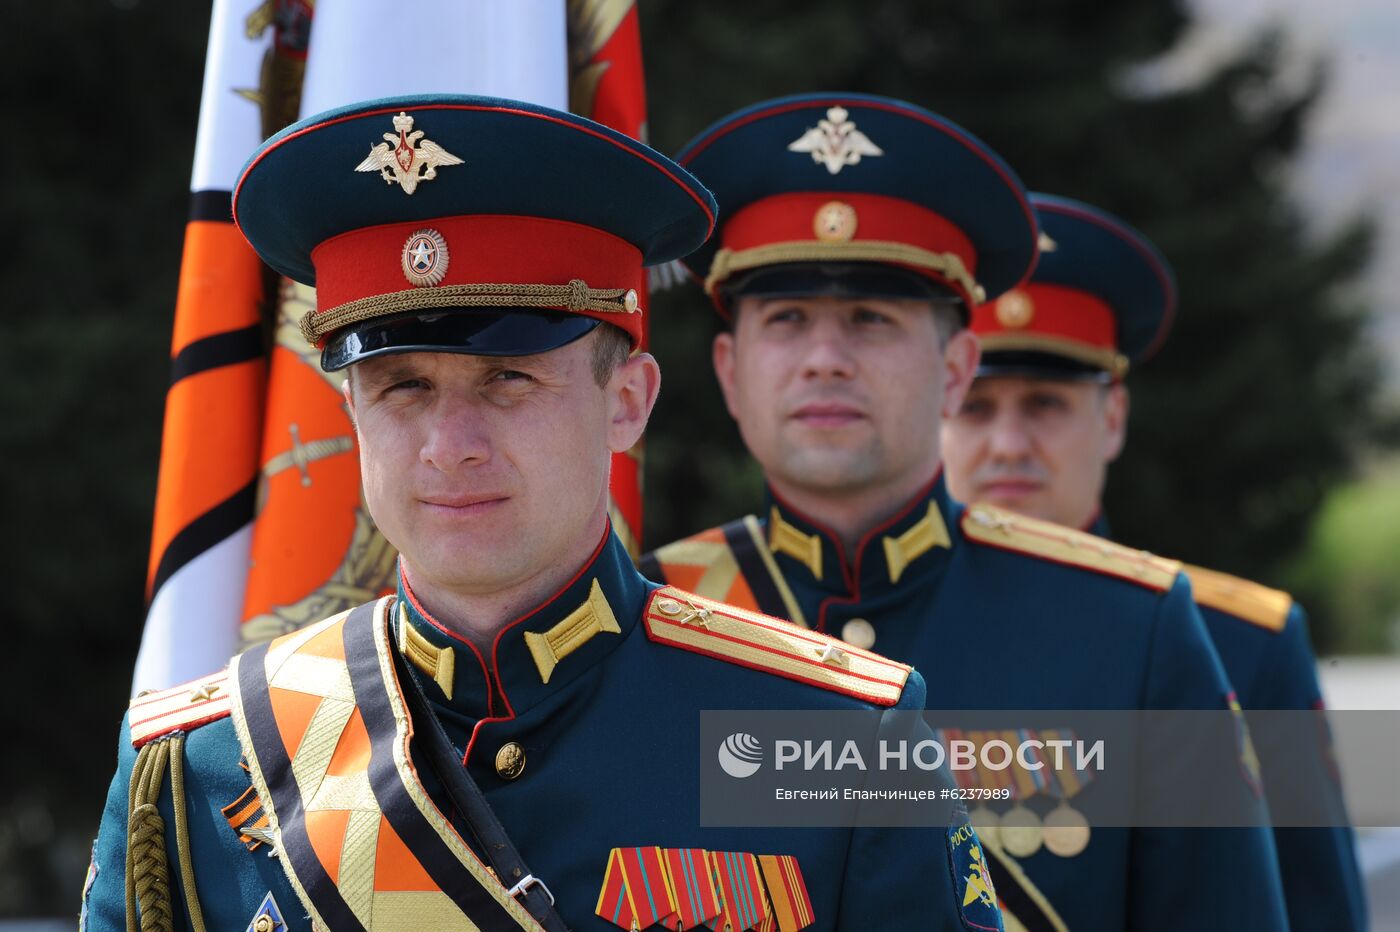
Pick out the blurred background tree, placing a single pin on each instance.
(1261, 403)
(101, 106)
(1267, 390)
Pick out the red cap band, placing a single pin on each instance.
(1053, 311)
(799, 216)
(481, 249)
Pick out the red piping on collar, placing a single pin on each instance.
(853, 580)
(497, 682)
(423, 613)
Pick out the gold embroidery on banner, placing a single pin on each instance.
(303, 454)
(436, 663)
(929, 532)
(594, 616)
(804, 548)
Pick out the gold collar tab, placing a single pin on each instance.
(436, 663)
(804, 548)
(594, 616)
(927, 533)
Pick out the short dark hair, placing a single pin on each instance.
(611, 347)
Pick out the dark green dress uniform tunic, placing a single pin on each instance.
(1003, 612)
(601, 756)
(1262, 637)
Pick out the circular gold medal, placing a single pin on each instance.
(1020, 832)
(1066, 831)
(986, 822)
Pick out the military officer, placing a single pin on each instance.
(856, 232)
(509, 741)
(1047, 414)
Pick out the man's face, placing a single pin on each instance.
(1040, 447)
(838, 396)
(486, 472)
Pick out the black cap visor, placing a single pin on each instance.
(487, 331)
(835, 280)
(1034, 365)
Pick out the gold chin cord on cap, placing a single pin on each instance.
(576, 296)
(949, 265)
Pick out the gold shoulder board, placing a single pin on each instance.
(179, 708)
(1248, 601)
(1010, 531)
(694, 623)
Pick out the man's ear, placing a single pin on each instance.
(1115, 420)
(960, 358)
(632, 392)
(349, 395)
(723, 354)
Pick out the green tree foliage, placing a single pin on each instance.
(1265, 391)
(1346, 570)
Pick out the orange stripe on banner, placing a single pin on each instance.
(312, 487)
(221, 283)
(209, 448)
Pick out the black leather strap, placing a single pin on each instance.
(755, 570)
(466, 796)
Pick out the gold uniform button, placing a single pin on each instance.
(264, 923)
(858, 633)
(510, 761)
(668, 606)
